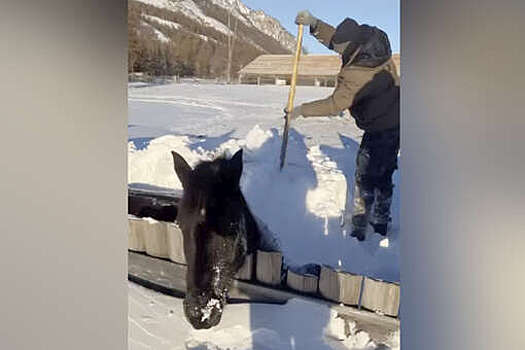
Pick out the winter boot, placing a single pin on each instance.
(382, 229)
(359, 226)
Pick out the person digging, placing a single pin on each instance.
(368, 86)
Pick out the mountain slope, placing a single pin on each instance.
(260, 20)
(191, 36)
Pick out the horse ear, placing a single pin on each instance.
(236, 166)
(182, 168)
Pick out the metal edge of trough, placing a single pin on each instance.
(168, 277)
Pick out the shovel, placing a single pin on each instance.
(291, 96)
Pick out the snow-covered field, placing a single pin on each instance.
(302, 204)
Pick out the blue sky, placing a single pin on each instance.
(384, 14)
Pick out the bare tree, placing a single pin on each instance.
(231, 46)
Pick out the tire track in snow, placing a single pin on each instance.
(176, 102)
(202, 101)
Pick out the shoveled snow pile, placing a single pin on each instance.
(157, 322)
(261, 149)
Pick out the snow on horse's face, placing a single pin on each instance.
(212, 217)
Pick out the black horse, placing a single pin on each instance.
(219, 231)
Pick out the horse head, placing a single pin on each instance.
(218, 231)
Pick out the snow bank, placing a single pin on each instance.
(154, 165)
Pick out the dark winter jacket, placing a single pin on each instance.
(368, 83)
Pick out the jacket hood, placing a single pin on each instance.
(373, 43)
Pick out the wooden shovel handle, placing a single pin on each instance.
(293, 83)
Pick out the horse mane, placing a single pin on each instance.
(213, 172)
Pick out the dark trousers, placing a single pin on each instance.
(376, 162)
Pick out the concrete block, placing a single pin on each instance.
(340, 286)
(246, 271)
(136, 234)
(380, 296)
(304, 283)
(176, 244)
(268, 267)
(156, 238)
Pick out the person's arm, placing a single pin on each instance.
(323, 32)
(342, 98)
(319, 29)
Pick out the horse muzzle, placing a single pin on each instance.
(203, 311)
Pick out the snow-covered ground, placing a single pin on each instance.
(302, 205)
(156, 322)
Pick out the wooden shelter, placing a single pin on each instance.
(318, 70)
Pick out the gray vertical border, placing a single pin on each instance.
(463, 171)
(63, 174)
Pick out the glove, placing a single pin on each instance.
(295, 113)
(306, 18)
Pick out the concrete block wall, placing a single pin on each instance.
(246, 271)
(136, 234)
(380, 296)
(175, 244)
(156, 238)
(340, 286)
(304, 283)
(269, 267)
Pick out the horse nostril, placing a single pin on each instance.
(202, 312)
